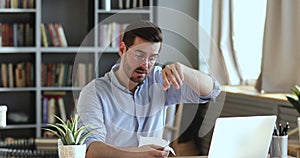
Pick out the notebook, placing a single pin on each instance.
(242, 137)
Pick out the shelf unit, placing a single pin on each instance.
(80, 20)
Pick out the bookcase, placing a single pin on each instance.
(84, 56)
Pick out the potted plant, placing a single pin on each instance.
(71, 138)
(295, 101)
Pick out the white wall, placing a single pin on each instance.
(179, 21)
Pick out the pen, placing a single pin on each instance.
(275, 133)
(286, 128)
(280, 130)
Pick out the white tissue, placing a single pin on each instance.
(156, 141)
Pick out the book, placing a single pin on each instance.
(53, 35)
(4, 75)
(134, 3)
(62, 110)
(31, 3)
(44, 35)
(55, 26)
(107, 5)
(81, 74)
(2, 3)
(10, 75)
(20, 34)
(24, 4)
(127, 5)
(120, 4)
(15, 34)
(52, 76)
(48, 36)
(61, 74)
(4, 30)
(103, 35)
(44, 74)
(0, 33)
(10, 35)
(28, 35)
(20, 75)
(29, 74)
(141, 5)
(115, 33)
(54, 93)
(65, 78)
(51, 110)
(69, 78)
(90, 71)
(61, 35)
(45, 110)
(46, 143)
(48, 79)
(55, 74)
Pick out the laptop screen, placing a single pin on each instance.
(242, 137)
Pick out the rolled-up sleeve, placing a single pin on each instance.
(215, 91)
(89, 108)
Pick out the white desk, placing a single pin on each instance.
(205, 157)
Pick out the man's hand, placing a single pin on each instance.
(146, 151)
(172, 74)
(149, 151)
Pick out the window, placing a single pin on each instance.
(248, 26)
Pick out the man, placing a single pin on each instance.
(130, 101)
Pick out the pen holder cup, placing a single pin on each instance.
(279, 147)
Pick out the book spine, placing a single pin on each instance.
(62, 109)
(10, 75)
(62, 36)
(4, 74)
(45, 110)
(51, 110)
(44, 35)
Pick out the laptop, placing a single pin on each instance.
(242, 137)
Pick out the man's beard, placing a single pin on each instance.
(139, 79)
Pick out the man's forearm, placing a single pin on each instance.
(100, 150)
(200, 82)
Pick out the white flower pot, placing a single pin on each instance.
(71, 151)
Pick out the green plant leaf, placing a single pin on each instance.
(296, 91)
(295, 103)
(82, 139)
(58, 128)
(78, 133)
(60, 120)
(75, 124)
(69, 137)
(68, 131)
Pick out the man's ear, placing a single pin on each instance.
(122, 48)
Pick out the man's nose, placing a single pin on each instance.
(145, 62)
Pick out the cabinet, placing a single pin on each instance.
(81, 21)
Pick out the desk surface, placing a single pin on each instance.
(191, 157)
(205, 157)
(251, 91)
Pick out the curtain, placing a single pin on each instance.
(223, 60)
(281, 47)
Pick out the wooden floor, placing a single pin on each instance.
(185, 149)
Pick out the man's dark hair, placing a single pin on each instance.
(143, 29)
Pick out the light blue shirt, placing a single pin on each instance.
(118, 116)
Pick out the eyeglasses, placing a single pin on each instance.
(140, 56)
